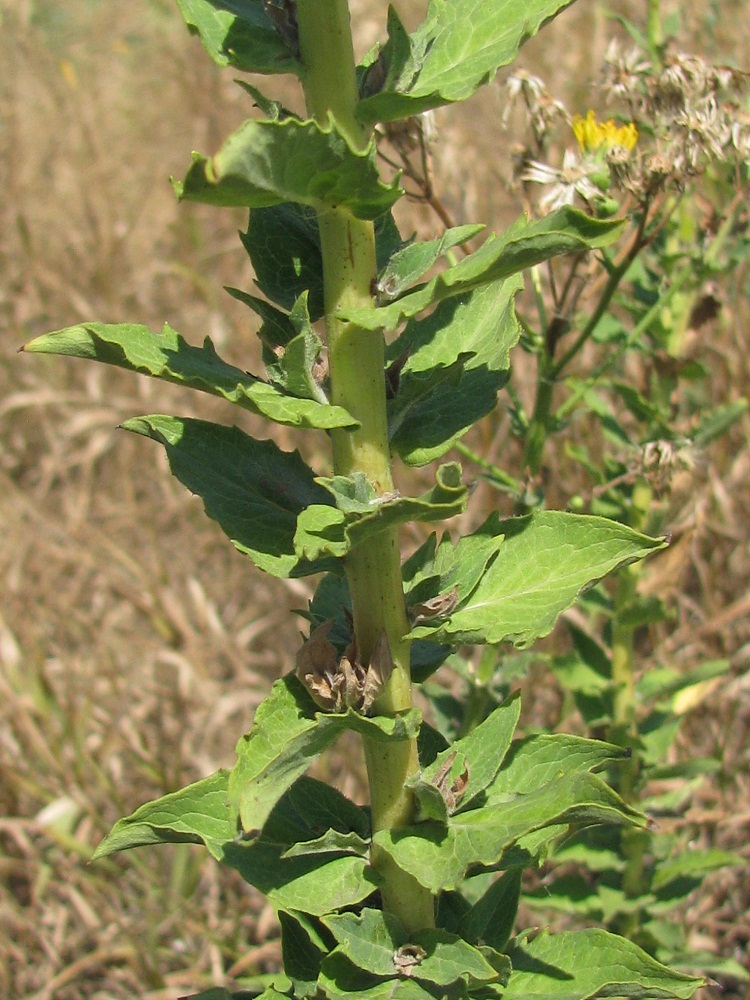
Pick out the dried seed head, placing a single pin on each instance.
(407, 958)
(336, 683)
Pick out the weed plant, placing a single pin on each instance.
(415, 896)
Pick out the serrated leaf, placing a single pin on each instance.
(239, 33)
(457, 359)
(439, 858)
(372, 940)
(311, 806)
(269, 162)
(253, 489)
(169, 357)
(288, 733)
(718, 421)
(482, 751)
(276, 329)
(576, 965)
(294, 370)
(195, 814)
(411, 262)
(535, 760)
(542, 563)
(314, 883)
(360, 514)
(201, 813)
(459, 47)
(522, 245)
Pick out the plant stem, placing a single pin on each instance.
(654, 32)
(356, 360)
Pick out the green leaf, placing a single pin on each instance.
(482, 751)
(268, 162)
(201, 813)
(283, 243)
(661, 684)
(457, 361)
(459, 47)
(694, 862)
(536, 567)
(372, 941)
(239, 33)
(310, 806)
(314, 884)
(538, 759)
(253, 489)
(331, 842)
(195, 814)
(302, 950)
(340, 980)
(168, 356)
(288, 733)
(294, 369)
(409, 263)
(522, 245)
(718, 421)
(323, 530)
(439, 858)
(219, 993)
(576, 965)
(491, 918)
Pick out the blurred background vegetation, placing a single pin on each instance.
(135, 642)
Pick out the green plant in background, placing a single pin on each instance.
(416, 896)
(611, 343)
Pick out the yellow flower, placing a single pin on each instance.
(593, 136)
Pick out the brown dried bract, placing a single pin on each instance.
(436, 607)
(451, 790)
(407, 958)
(337, 683)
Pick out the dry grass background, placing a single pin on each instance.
(134, 642)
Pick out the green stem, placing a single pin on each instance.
(616, 275)
(539, 427)
(356, 359)
(634, 842)
(654, 33)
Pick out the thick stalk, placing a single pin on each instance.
(356, 364)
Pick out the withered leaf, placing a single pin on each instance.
(407, 958)
(316, 666)
(452, 789)
(436, 607)
(378, 672)
(336, 683)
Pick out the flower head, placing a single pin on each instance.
(573, 178)
(593, 136)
